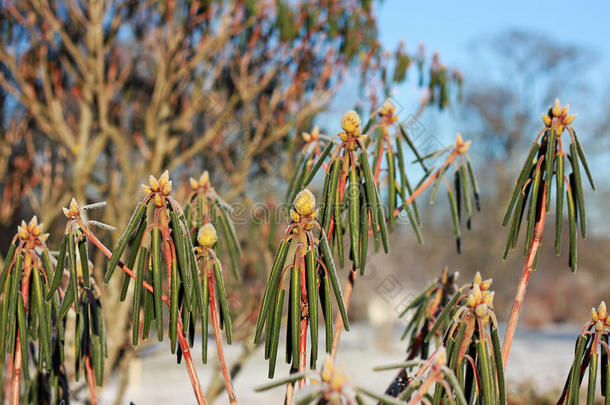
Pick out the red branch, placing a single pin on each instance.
(525, 275)
(186, 350)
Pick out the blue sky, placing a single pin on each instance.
(448, 26)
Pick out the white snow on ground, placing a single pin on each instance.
(541, 356)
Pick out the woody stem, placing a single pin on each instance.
(186, 350)
(525, 275)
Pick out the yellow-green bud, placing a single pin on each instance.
(351, 122)
(207, 235)
(304, 202)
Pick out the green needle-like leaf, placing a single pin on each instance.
(122, 242)
(157, 279)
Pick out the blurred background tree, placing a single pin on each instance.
(95, 95)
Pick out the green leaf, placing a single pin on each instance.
(409, 142)
(523, 176)
(456, 220)
(275, 333)
(122, 242)
(173, 308)
(364, 226)
(473, 182)
(549, 163)
(316, 166)
(391, 188)
(270, 289)
(338, 231)
(8, 260)
(228, 233)
(578, 190)
(327, 310)
(332, 274)
(179, 236)
(572, 226)
(497, 350)
(44, 332)
(437, 184)
(353, 195)
(369, 186)
(204, 315)
(137, 295)
(575, 374)
(312, 303)
(334, 169)
(157, 279)
(84, 261)
(295, 312)
(23, 339)
(534, 210)
(282, 381)
(69, 299)
(222, 299)
(59, 267)
(592, 378)
(382, 398)
(149, 308)
(559, 200)
(72, 266)
(583, 159)
(466, 194)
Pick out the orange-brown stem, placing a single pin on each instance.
(221, 356)
(90, 379)
(426, 184)
(378, 166)
(525, 276)
(186, 350)
(8, 383)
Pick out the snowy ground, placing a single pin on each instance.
(540, 356)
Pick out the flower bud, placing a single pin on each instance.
(204, 179)
(477, 278)
(207, 236)
(163, 179)
(547, 120)
(351, 122)
(569, 119)
(167, 188)
(556, 110)
(601, 311)
(304, 202)
(480, 310)
(154, 184)
(294, 216)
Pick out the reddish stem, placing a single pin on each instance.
(221, 356)
(8, 383)
(90, 378)
(427, 183)
(525, 275)
(186, 350)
